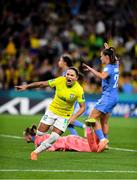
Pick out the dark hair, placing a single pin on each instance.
(112, 55)
(67, 59)
(30, 131)
(76, 70)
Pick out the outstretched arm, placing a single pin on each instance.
(78, 113)
(40, 84)
(101, 75)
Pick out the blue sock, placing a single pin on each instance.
(72, 131)
(99, 134)
(106, 136)
(78, 124)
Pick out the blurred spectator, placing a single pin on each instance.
(11, 49)
(35, 33)
(45, 71)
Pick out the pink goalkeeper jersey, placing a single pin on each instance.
(70, 142)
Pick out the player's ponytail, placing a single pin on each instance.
(33, 130)
(67, 59)
(112, 55)
(30, 131)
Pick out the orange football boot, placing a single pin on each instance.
(33, 156)
(102, 145)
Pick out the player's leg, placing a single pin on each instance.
(59, 126)
(94, 120)
(106, 107)
(55, 134)
(42, 129)
(46, 121)
(78, 124)
(104, 124)
(95, 115)
(72, 129)
(92, 140)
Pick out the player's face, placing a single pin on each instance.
(104, 58)
(28, 138)
(71, 77)
(61, 62)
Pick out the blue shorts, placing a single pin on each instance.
(105, 104)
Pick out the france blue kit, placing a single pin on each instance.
(109, 96)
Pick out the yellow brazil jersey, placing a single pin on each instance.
(65, 97)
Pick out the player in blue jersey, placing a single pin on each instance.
(101, 112)
(64, 63)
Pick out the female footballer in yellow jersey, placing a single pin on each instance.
(60, 111)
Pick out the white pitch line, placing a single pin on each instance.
(113, 148)
(121, 149)
(66, 170)
(10, 136)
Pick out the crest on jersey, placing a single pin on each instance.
(72, 96)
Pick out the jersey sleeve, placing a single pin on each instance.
(81, 97)
(107, 69)
(53, 82)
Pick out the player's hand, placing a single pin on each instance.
(71, 120)
(106, 45)
(86, 67)
(21, 88)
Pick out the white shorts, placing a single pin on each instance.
(52, 119)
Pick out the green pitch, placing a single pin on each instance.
(120, 162)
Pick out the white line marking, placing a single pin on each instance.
(113, 148)
(66, 170)
(121, 149)
(10, 136)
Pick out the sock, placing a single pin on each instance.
(72, 131)
(100, 134)
(78, 124)
(48, 142)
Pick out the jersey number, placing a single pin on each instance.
(116, 77)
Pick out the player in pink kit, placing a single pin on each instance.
(64, 143)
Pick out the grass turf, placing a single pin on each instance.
(111, 164)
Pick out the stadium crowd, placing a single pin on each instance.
(34, 34)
